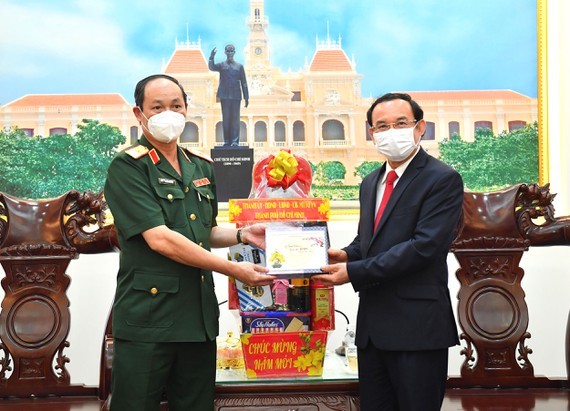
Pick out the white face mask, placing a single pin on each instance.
(166, 126)
(396, 144)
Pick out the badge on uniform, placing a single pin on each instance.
(201, 182)
(166, 181)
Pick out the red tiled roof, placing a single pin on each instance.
(467, 95)
(186, 61)
(330, 60)
(34, 100)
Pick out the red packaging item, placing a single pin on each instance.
(322, 306)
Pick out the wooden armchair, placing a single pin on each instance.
(38, 239)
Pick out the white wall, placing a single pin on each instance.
(558, 89)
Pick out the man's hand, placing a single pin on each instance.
(337, 274)
(246, 102)
(337, 256)
(254, 234)
(213, 53)
(252, 274)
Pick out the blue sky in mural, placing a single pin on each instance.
(105, 46)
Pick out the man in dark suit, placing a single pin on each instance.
(405, 322)
(232, 83)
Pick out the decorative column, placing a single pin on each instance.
(318, 138)
(289, 138)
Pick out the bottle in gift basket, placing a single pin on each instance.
(322, 306)
(299, 295)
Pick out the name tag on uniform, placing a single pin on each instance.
(166, 181)
(201, 182)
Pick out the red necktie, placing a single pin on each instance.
(390, 179)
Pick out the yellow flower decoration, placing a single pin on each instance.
(312, 362)
(245, 339)
(302, 362)
(324, 209)
(250, 373)
(234, 210)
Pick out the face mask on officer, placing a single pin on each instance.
(165, 126)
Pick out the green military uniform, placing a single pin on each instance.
(157, 299)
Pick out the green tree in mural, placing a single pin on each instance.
(493, 162)
(330, 172)
(36, 167)
(365, 168)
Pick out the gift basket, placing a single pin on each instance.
(284, 326)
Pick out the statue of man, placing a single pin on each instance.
(232, 83)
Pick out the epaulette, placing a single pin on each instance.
(137, 151)
(200, 154)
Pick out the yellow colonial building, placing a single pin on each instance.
(318, 112)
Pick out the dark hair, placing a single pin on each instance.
(141, 85)
(416, 109)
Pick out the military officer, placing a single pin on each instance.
(165, 313)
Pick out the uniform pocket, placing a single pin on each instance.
(171, 199)
(152, 301)
(207, 197)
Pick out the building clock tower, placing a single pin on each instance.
(257, 49)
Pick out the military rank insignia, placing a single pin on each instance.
(137, 151)
(154, 156)
(201, 182)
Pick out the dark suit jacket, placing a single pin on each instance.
(400, 271)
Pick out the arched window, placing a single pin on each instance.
(260, 131)
(333, 130)
(429, 134)
(57, 131)
(134, 134)
(516, 125)
(190, 133)
(453, 129)
(280, 136)
(298, 131)
(29, 132)
(219, 132)
(483, 125)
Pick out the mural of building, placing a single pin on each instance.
(318, 112)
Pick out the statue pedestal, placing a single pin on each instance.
(233, 167)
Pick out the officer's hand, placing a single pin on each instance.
(246, 102)
(213, 53)
(337, 256)
(252, 274)
(254, 234)
(337, 274)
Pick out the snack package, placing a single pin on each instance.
(251, 298)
